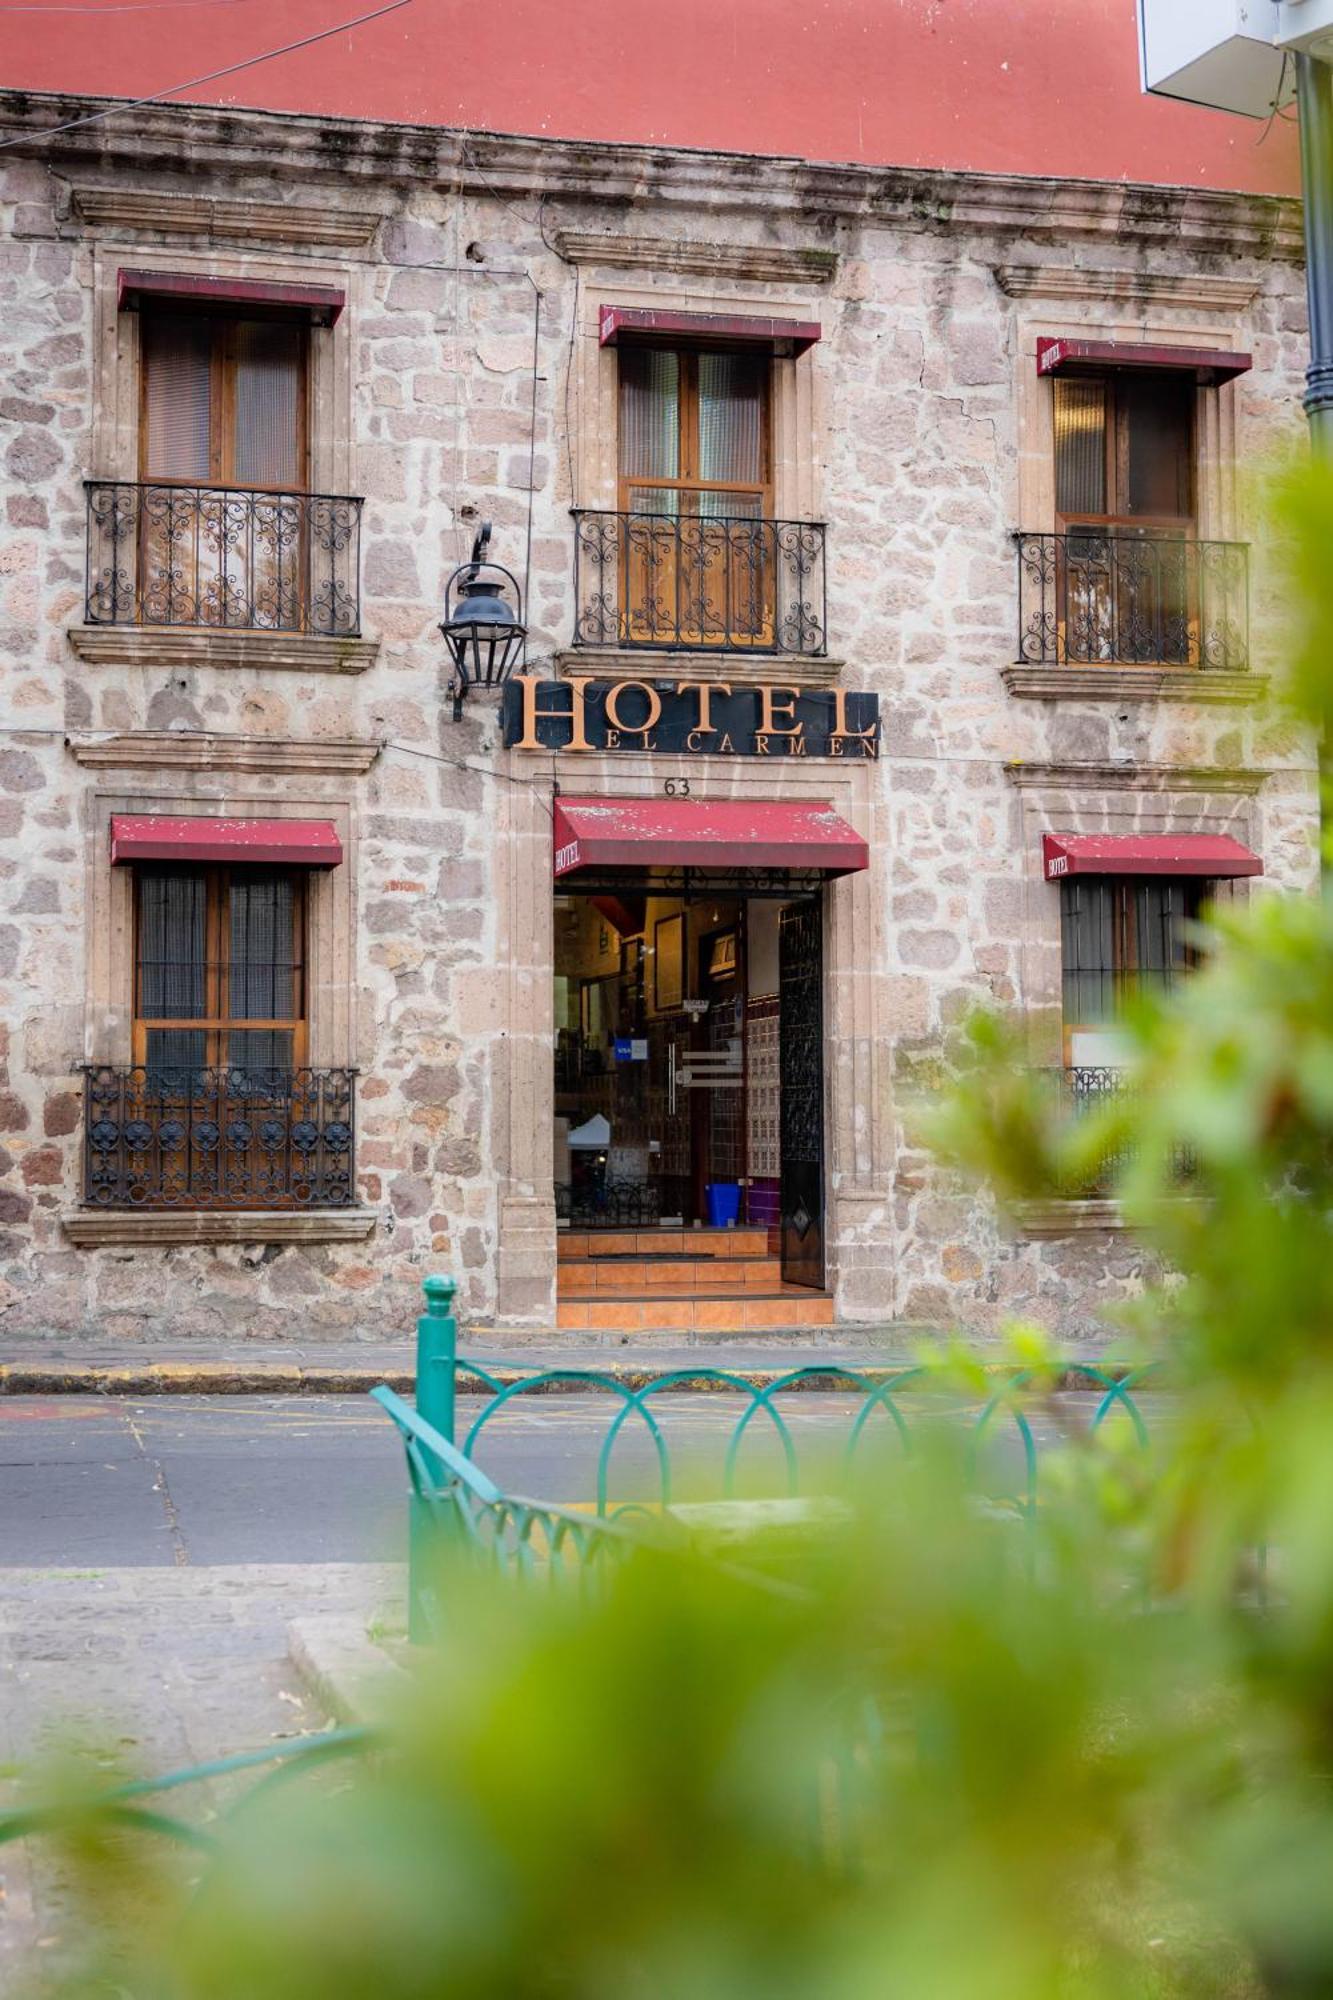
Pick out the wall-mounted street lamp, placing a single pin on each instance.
(483, 631)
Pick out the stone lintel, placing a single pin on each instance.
(1134, 777)
(166, 646)
(765, 262)
(92, 1228)
(236, 218)
(742, 669)
(1195, 686)
(1198, 291)
(180, 750)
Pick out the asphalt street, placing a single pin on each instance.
(86, 1481)
(174, 1480)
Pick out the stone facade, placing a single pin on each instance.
(464, 380)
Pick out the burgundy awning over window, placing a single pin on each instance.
(793, 335)
(703, 833)
(1215, 854)
(322, 302)
(292, 843)
(1208, 365)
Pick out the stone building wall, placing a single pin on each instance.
(913, 428)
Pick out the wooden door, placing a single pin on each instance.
(1127, 584)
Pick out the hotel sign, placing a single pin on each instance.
(689, 718)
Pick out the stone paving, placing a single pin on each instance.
(159, 1668)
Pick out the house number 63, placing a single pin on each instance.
(677, 788)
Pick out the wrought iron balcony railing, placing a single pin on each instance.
(1089, 1088)
(1092, 597)
(219, 1138)
(699, 582)
(223, 557)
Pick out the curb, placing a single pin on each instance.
(272, 1378)
(337, 1661)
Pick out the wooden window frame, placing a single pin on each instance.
(1113, 381)
(222, 391)
(213, 1024)
(687, 353)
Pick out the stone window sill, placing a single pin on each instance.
(185, 646)
(1185, 684)
(742, 669)
(1068, 1218)
(93, 1228)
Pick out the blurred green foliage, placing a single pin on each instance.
(959, 1757)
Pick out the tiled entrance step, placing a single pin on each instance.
(575, 1245)
(779, 1311)
(658, 1280)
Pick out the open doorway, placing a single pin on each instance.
(690, 1069)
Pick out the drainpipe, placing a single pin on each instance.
(1314, 98)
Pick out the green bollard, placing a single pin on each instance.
(437, 1355)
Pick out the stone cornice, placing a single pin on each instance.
(322, 151)
(92, 1228)
(179, 750)
(185, 646)
(1199, 291)
(766, 262)
(1193, 686)
(1134, 777)
(236, 218)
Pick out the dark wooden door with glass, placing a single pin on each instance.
(223, 453)
(695, 497)
(1125, 512)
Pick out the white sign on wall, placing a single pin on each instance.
(1230, 54)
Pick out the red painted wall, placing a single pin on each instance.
(1025, 86)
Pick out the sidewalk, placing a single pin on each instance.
(313, 1368)
(167, 1668)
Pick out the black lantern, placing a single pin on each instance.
(484, 634)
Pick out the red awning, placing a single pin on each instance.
(703, 833)
(1215, 854)
(798, 334)
(322, 302)
(292, 843)
(1208, 365)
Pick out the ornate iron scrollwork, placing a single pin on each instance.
(163, 1137)
(726, 583)
(223, 557)
(1097, 597)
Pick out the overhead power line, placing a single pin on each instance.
(121, 7)
(194, 82)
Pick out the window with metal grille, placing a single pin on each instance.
(1119, 936)
(219, 970)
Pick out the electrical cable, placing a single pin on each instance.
(30, 139)
(129, 7)
(996, 763)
